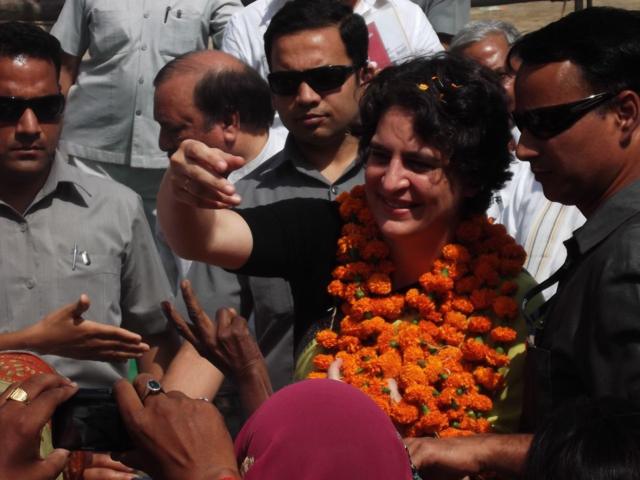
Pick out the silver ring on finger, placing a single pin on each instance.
(153, 387)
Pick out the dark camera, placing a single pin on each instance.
(90, 420)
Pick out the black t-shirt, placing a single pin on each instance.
(297, 240)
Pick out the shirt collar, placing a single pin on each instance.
(65, 179)
(608, 217)
(291, 155)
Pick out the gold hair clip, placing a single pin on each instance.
(423, 86)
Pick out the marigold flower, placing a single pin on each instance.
(411, 375)
(462, 380)
(479, 324)
(495, 359)
(451, 335)
(456, 253)
(336, 288)
(412, 354)
(431, 422)
(503, 334)
(404, 413)
(488, 378)
(408, 335)
(375, 250)
(467, 284)
(348, 343)
(483, 298)
(510, 268)
(508, 288)
(487, 273)
(435, 283)
(379, 283)
(473, 350)
(327, 339)
(361, 307)
(391, 363)
(479, 402)
(456, 320)
(420, 394)
(463, 305)
(505, 307)
(322, 362)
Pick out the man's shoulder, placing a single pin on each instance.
(104, 189)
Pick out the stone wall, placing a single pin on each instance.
(45, 11)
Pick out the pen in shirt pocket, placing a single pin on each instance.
(82, 255)
(166, 13)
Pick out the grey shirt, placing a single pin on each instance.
(286, 175)
(589, 345)
(120, 269)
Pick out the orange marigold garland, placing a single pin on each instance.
(442, 342)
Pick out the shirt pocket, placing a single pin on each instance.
(97, 275)
(110, 32)
(182, 32)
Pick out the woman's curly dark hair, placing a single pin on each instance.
(459, 107)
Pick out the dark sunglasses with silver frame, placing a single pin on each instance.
(547, 122)
(48, 109)
(320, 79)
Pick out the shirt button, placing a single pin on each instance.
(30, 283)
(146, 15)
(334, 190)
(143, 48)
(23, 227)
(141, 80)
(138, 112)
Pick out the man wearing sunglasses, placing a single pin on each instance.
(538, 224)
(578, 108)
(64, 233)
(317, 51)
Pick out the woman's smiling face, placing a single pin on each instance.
(410, 189)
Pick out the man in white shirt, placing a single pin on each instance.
(398, 29)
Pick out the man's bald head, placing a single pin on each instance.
(222, 86)
(198, 64)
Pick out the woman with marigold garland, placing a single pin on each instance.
(423, 290)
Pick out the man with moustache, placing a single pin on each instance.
(578, 108)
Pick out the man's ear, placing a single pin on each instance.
(230, 127)
(627, 112)
(367, 72)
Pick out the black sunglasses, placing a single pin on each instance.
(321, 79)
(48, 109)
(547, 122)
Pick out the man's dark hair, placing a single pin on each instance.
(19, 38)
(587, 439)
(299, 15)
(221, 93)
(603, 42)
(459, 107)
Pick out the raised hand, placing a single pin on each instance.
(198, 175)
(66, 333)
(227, 342)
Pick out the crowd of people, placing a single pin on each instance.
(331, 248)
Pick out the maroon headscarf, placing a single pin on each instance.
(321, 430)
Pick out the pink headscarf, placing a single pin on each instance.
(321, 430)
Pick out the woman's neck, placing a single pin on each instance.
(415, 255)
